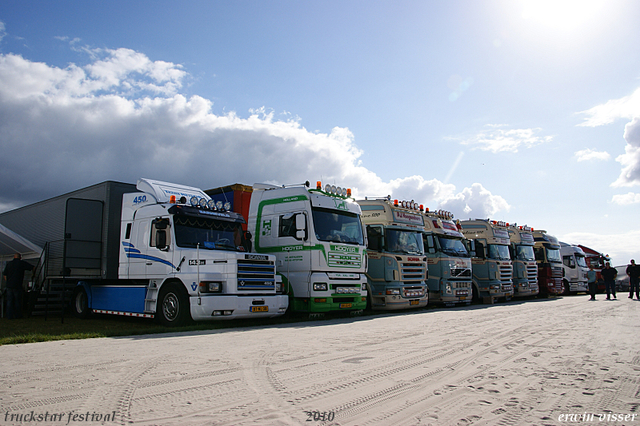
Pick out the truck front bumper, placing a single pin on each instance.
(213, 307)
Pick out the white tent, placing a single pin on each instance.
(11, 243)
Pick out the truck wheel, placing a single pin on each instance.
(80, 303)
(475, 296)
(369, 306)
(566, 289)
(173, 306)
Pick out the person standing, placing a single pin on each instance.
(14, 275)
(633, 271)
(593, 285)
(609, 276)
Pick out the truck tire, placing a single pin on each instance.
(566, 288)
(80, 303)
(475, 295)
(173, 306)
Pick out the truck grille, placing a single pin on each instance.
(556, 272)
(256, 274)
(506, 272)
(461, 272)
(413, 272)
(532, 271)
(463, 284)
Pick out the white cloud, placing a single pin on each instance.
(630, 160)
(3, 31)
(475, 202)
(121, 118)
(497, 139)
(590, 154)
(626, 199)
(627, 107)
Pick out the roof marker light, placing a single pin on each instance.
(172, 199)
(318, 185)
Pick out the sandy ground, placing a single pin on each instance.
(531, 362)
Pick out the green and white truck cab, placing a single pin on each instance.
(318, 239)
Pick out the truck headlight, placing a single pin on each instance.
(393, 291)
(320, 287)
(210, 286)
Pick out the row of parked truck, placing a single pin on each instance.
(174, 252)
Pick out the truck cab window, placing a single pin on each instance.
(568, 261)
(287, 226)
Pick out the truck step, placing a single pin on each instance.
(56, 312)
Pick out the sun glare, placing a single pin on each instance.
(562, 14)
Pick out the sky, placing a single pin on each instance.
(522, 111)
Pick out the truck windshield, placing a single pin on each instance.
(337, 226)
(499, 252)
(553, 255)
(596, 262)
(408, 242)
(452, 246)
(209, 233)
(581, 262)
(524, 253)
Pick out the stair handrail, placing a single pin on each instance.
(40, 270)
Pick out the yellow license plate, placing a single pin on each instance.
(259, 309)
(463, 298)
(345, 305)
(413, 302)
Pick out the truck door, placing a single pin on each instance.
(293, 234)
(136, 249)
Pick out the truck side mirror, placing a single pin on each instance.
(374, 237)
(301, 226)
(161, 239)
(479, 249)
(430, 244)
(246, 241)
(470, 245)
